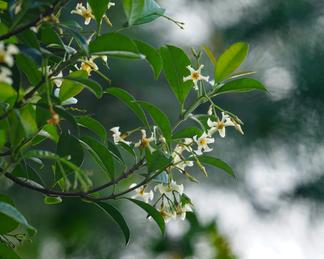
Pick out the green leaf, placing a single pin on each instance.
(99, 7)
(151, 55)
(52, 200)
(7, 93)
(29, 68)
(93, 125)
(69, 147)
(7, 224)
(115, 152)
(80, 79)
(159, 118)
(117, 216)
(187, 133)
(175, 62)
(115, 45)
(230, 60)
(209, 160)
(210, 55)
(241, 85)
(69, 89)
(13, 213)
(7, 253)
(156, 160)
(27, 116)
(3, 138)
(130, 101)
(141, 11)
(100, 153)
(152, 212)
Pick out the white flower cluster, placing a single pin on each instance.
(171, 203)
(7, 57)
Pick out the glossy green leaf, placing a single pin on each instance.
(29, 68)
(230, 60)
(100, 153)
(26, 116)
(210, 55)
(49, 200)
(159, 118)
(156, 216)
(241, 85)
(98, 7)
(93, 125)
(156, 160)
(187, 133)
(7, 252)
(7, 93)
(115, 152)
(69, 147)
(117, 216)
(175, 62)
(151, 55)
(209, 160)
(115, 45)
(13, 213)
(130, 101)
(141, 11)
(7, 224)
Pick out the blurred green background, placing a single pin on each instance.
(273, 209)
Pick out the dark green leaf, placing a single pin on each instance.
(159, 118)
(230, 60)
(99, 7)
(241, 85)
(156, 160)
(100, 153)
(7, 224)
(151, 55)
(209, 160)
(115, 44)
(187, 133)
(117, 216)
(52, 200)
(7, 253)
(93, 125)
(130, 101)
(29, 68)
(152, 212)
(175, 62)
(69, 147)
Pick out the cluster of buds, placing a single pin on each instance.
(7, 58)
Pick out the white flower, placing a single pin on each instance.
(68, 101)
(85, 12)
(167, 213)
(202, 143)
(219, 125)
(145, 141)
(117, 136)
(140, 193)
(167, 189)
(111, 4)
(5, 75)
(6, 54)
(88, 65)
(195, 76)
(58, 79)
(181, 211)
(177, 159)
(210, 110)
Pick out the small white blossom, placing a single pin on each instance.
(195, 76)
(111, 4)
(202, 143)
(85, 12)
(68, 101)
(117, 136)
(210, 110)
(140, 193)
(220, 125)
(88, 65)
(177, 159)
(5, 75)
(167, 189)
(167, 213)
(181, 211)
(7, 53)
(145, 141)
(58, 79)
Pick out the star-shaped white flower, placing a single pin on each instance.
(202, 143)
(195, 76)
(178, 160)
(145, 141)
(58, 79)
(181, 210)
(140, 193)
(7, 53)
(85, 12)
(5, 75)
(167, 213)
(167, 189)
(88, 65)
(220, 125)
(118, 136)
